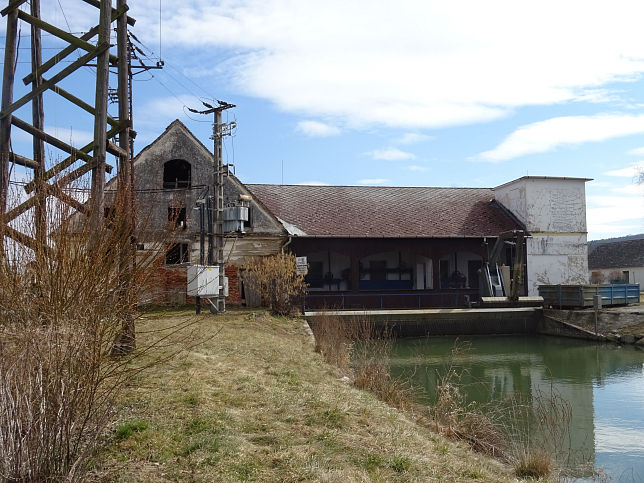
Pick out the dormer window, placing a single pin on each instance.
(176, 174)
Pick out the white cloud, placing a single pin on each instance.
(608, 215)
(313, 183)
(415, 167)
(390, 154)
(426, 65)
(373, 181)
(548, 135)
(317, 129)
(637, 151)
(631, 172)
(413, 138)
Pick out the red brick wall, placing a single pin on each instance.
(170, 285)
(234, 287)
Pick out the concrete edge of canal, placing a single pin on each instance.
(478, 321)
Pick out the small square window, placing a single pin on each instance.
(177, 217)
(177, 254)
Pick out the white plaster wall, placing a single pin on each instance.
(546, 204)
(553, 211)
(554, 260)
(635, 274)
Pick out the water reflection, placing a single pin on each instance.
(603, 383)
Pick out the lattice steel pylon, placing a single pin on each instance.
(92, 155)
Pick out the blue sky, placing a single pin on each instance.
(420, 93)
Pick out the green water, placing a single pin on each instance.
(603, 385)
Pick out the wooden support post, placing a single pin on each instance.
(100, 120)
(38, 120)
(127, 341)
(5, 124)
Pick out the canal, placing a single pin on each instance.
(602, 386)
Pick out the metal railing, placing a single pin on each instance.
(388, 300)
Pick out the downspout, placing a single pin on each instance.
(290, 239)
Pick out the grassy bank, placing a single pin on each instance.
(256, 403)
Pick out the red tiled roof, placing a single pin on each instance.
(385, 212)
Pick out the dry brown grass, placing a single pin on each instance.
(535, 464)
(256, 403)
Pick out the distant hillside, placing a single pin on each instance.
(595, 243)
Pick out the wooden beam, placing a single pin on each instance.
(116, 150)
(54, 190)
(49, 139)
(23, 207)
(61, 34)
(23, 161)
(67, 162)
(63, 53)
(26, 240)
(97, 4)
(12, 6)
(80, 103)
(74, 175)
(58, 57)
(58, 77)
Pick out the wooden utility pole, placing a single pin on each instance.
(99, 147)
(216, 239)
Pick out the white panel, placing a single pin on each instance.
(203, 281)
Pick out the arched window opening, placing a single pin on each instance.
(176, 174)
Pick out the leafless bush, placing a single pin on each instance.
(596, 277)
(455, 417)
(539, 433)
(363, 348)
(276, 278)
(67, 307)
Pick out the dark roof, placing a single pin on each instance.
(385, 212)
(627, 253)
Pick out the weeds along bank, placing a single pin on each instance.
(253, 402)
(531, 437)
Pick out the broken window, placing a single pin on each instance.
(176, 174)
(177, 217)
(177, 254)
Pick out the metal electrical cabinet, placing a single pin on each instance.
(203, 281)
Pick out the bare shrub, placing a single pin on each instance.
(333, 340)
(539, 432)
(596, 277)
(66, 308)
(276, 278)
(358, 345)
(455, 417)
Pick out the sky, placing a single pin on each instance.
(409, 93)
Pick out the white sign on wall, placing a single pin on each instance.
(302, 266)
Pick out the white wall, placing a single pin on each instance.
(635, 274)
(554, 213)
